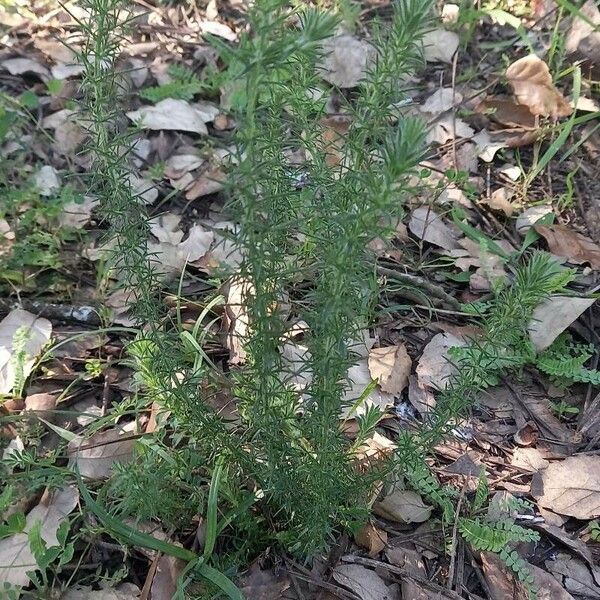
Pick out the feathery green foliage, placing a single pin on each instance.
(311, 221)
(185, 85)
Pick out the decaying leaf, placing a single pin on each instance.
(16, 557)
(553, 316)
(507, 112)
(530, 216)
(500, 199)
(365, 583)
(263, 584)
(19, 66)
(574, 246)
(172, 252)
(390, 366)
(372, 539)
(429, 226)
(95, 456)
(402, 506)
(346, 60)
(572, 487)
(164, 582)
(171, 115)
(447, 128)
(22, 337)
(575, 576)
(440, 45)
(441, 100)
(333, 137)
(531, 83)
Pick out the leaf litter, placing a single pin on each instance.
(467, 127)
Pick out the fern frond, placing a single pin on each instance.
(482, 492)
(184, 86)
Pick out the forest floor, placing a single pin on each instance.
(510, 154)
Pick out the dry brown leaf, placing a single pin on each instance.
(374, 449)
(531, 82)
(260, 584)
(574, 246)
(446, 128)
(411, 562)
(420, 396)
(16, 557)
(530, 216)
(441, 100)
(390, 366)
(402, 506)
(359, 378)
(372, 539)
(236, 319)
(507, 113)
(572, 487)
(332, 137)
(46, 181)
(500, 200)
(553, 316)
(35, 331)
(19, 66)
(365, 583)
(95, 456)
(76, 215)
(346, 60)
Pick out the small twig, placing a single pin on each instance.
(450, 582)
(435, 290)
(59, 312)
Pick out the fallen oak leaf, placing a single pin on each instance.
(372, 539)
(507, 113)
(390, 366)
(573, 246)
(531, 83)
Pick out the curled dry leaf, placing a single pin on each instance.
(346, 60)
(553, 316)
(171, 115)
(574, 246)
(95, 456)
(22, 332)
(16, 558)
(572, 487)
(372, 539)
(390, 366)
(530, 216)
(531, 82)
(440, 45)
(236, 319)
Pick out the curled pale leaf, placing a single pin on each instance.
(531, 83)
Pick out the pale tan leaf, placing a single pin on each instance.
(572, 487)
(359, 378)
(76, 215)
(575, 247)
(429, 227)
(19, 66)
(237, 321)
(500, 199)
(36, 333)
(390, 366)
(402, 506)
(442, 100)
(530, 216)
(447, 128)
(46, 181)
(435, 369)
(346, 60)
(164, 583)
(440, 45)
(531, 82)
(372, 539)
(95, 456)
(16, 557)
(170, 115)
(507, 113)
(553, 316)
